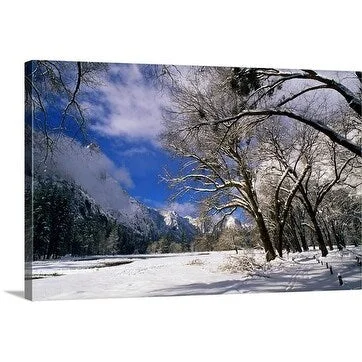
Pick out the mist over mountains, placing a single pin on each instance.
(81, 207)
(92, 188)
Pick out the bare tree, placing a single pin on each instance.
(218, 160)
(341, 214)
(329, 165)
(264, 94)
(215, 122)
(221, 172)
(269, 93)
(278, 186)
(54, 95)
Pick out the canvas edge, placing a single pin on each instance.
(28, 188)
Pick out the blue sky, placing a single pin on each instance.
(125, 119)
(144, 163)
(124, 112)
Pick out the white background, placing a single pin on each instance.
(299, 326)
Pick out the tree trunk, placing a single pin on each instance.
(296, 245)
(337, 237)
(265, 238)
(328, 235)
(317, 229)
(319, 235)
(298, 230)
(303, 241)
(258, 216)
(278, 238)
(312, 242)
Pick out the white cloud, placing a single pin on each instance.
(183, 209)
(127, 105)
(123, 176)
(86, 166)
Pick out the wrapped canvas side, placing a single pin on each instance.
(28, 169)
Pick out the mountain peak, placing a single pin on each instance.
(231, 222)
(171, 218)
(93, 147)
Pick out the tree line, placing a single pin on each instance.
(64, 220)
(67, 222)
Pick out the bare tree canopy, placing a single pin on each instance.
(330, 102)
(296, 132)
(54, 95)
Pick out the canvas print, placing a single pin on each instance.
(149, 180)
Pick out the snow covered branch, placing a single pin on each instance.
(316, 124)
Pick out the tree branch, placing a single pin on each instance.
(319, 126)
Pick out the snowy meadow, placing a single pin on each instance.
(195, 274)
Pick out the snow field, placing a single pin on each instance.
(194, 274)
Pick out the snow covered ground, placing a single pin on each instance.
(194, 274)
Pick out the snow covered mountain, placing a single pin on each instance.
(178, 226)
(230, 222)
(88, 168)
(195, 221)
